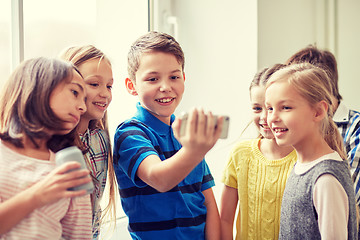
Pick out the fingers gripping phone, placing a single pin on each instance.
(224, 131)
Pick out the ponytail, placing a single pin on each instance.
(333, 137)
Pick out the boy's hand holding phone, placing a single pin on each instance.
(225, 126)
(199, 132)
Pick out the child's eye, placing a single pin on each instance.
(286, 108)
(94, 84)
(269, 109)
(174, 77)
(109, 87)
(257, 109)
(76, 93)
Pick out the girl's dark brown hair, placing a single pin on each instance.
(320, 58)
(24, 102)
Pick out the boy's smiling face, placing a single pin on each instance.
(159, 84)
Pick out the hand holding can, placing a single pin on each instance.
(74, 154)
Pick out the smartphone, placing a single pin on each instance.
(224, 131)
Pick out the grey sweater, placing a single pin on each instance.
(298, 215)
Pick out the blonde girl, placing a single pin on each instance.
(319, 200)
(93, 129)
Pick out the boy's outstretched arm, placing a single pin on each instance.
(212, 228)
(199, 138)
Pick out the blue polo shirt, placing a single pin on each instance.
(177, 214)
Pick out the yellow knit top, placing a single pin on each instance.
(260, 183)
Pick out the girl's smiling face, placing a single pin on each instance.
(290, 116)
(98, 81)
(257, 98)
(67, 101)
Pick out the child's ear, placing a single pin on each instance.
(321, 110)
(184, 76)
(130, 87)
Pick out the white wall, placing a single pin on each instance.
(285, 26)
(348, 51)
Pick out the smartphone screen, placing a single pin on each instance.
(224, 131)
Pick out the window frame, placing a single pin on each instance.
(17, 33)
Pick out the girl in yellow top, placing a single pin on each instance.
(255, 175)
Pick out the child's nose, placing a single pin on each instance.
(263, 115)
(165, 86)
(82, 107)
(105, 92)
(273, 116)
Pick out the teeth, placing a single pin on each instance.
(277, 130)
(101, 104)
(165, 100)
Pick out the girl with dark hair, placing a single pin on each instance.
(40, 106)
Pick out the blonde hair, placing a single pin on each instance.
(79, 55)
(313, 84)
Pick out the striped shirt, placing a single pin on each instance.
(348, 122)
(68, 218)
(177, 214)
(97, 142)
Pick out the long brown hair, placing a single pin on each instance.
(24, 103)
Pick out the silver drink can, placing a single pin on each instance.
(74, 154)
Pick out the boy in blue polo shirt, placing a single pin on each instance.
(164, 184)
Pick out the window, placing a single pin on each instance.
(51, 26)
(5, 40)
